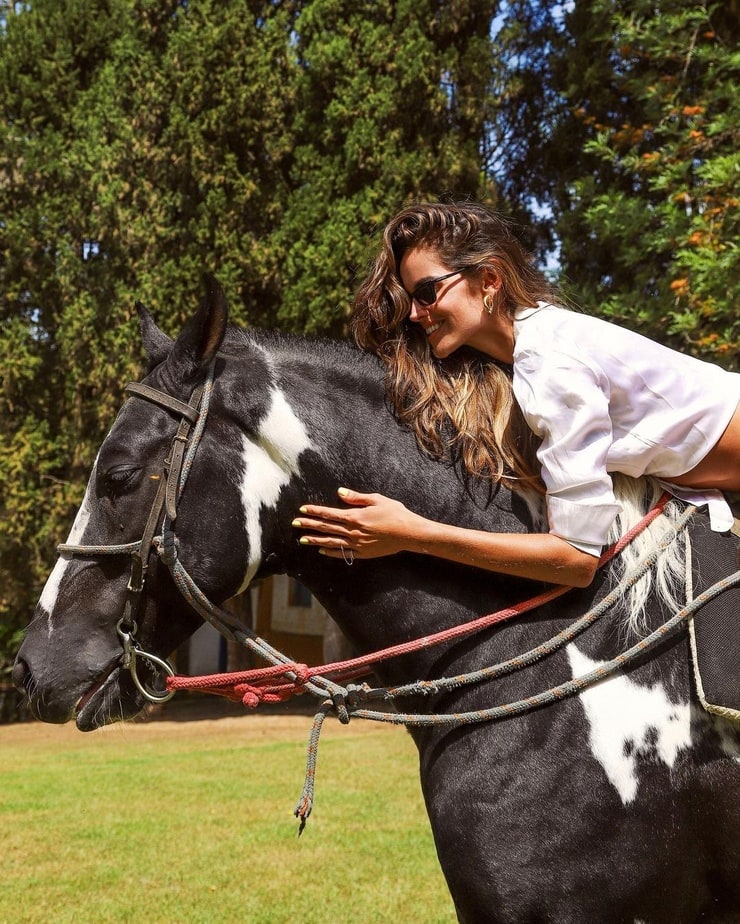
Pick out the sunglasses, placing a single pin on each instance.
(426, 292)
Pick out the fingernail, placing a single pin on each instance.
(342, 492)
(296, 523)
(303, 510)
(304, 540)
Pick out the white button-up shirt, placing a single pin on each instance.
(605, 399)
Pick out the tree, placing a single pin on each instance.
(619, 118)
(47, 61)
(140, 143)
(390, 107)
(666, 207)
(143, 141)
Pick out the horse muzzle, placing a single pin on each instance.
(92, 695)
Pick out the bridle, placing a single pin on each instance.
(177, 465)
(162, 516)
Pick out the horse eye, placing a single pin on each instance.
(118, 478)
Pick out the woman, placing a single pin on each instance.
(482, 364)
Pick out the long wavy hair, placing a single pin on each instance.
(461, 408)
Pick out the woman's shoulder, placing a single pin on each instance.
(548, 327)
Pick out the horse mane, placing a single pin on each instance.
(635, 495)
(667, 578)
(342, 352)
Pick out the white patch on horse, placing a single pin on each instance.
(51, 589)
(270, 461)
(627, 719)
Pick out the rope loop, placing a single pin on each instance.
(167, 547)
(339, 701)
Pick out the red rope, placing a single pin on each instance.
(258, 685)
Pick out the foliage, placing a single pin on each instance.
(633, 152)
(667, 204)
(403, 121)
(144, 141)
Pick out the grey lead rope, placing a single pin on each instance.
(547, 697)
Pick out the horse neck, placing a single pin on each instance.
(354, 441)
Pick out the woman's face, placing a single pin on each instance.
(457, 316)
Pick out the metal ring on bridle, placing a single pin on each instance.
(348, 555)
(132, 652)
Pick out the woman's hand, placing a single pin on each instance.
(372, 526)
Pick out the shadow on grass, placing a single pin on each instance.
(195, 707)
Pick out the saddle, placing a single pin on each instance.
(715, 645)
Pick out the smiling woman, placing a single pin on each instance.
(455, 309)
(488, 369)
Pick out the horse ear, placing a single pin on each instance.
(156, 343)
(201, 339)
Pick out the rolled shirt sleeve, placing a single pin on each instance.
(565, 401)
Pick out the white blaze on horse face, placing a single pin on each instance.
(627, 720)
(270, 461)
(51, 589)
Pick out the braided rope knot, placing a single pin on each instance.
(262, 689)
(302, 673)
(339, 701)
(357, 694)
(346, 699)
(251, 696)
(167, 547)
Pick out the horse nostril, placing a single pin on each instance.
(21, 674)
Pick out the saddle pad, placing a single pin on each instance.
(715, 650)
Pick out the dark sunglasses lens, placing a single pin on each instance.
(425, 294)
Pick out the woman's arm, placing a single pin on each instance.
(375, 525)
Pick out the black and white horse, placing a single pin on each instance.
(621, 804)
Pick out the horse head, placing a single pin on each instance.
(70, 663)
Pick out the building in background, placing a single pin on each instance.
(280, 610)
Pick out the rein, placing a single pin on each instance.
(285, 678)
(255, 686)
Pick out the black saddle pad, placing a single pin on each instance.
(715, 632)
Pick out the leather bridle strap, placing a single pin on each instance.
(169, 487)
(188, 414)
(166, 497)
(154, 396)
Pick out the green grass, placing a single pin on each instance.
(185, 822)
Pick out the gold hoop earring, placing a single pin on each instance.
(488, 303)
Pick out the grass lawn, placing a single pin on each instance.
(178, 822)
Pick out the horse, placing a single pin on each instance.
(617, 804)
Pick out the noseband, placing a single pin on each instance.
(163, 513)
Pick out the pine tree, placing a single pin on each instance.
(389, 107)
(141, 142)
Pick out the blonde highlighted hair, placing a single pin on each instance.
(461, 408)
